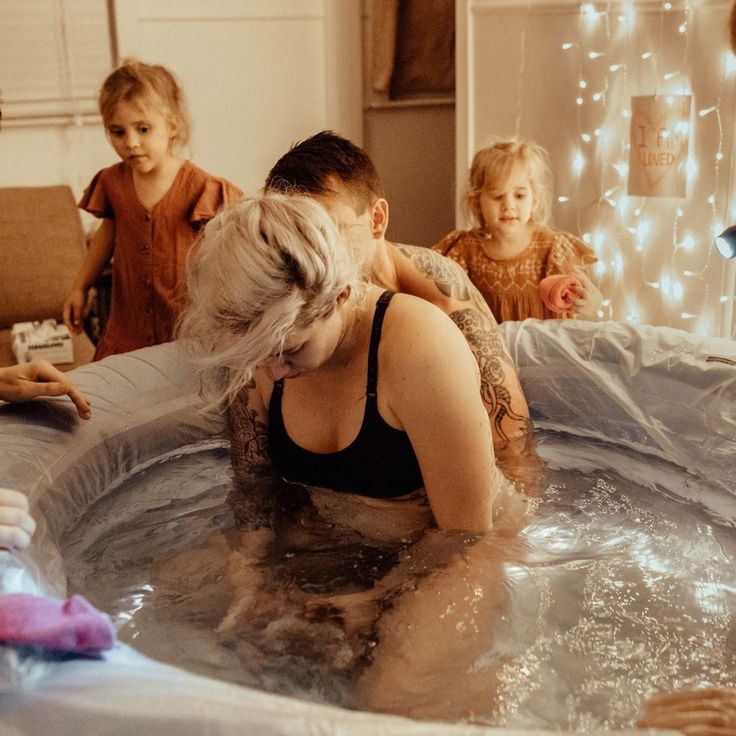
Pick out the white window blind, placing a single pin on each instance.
(54, 55)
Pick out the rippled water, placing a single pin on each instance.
(613, 590)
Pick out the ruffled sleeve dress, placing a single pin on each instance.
(511, 287)
(148, 284)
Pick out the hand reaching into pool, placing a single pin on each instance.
(30, 380)
(16, 524)
(702, 712)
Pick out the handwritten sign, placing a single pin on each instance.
(660, 131)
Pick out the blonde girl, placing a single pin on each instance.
(511, 250)
(152, 205)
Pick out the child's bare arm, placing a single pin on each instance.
(95, 261)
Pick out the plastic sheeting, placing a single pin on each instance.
(661, 392)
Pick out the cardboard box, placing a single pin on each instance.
(47, 340)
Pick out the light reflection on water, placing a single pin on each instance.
(615, 591)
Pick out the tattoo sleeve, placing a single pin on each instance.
(451, 281)
(260, 497)
(500, 388)
(248, 438)
(491, 354)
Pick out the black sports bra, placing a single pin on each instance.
(380, 462)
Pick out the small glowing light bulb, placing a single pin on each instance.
(578, 163)
(688, 243)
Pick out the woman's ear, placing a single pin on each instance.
(344, 295)
(379, 218)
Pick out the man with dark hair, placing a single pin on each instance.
(341, 176)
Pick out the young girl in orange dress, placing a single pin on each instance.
(511, 251)
(152, 204)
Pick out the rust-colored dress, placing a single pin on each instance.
(150, 249)
(511, 287)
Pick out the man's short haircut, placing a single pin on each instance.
(324, 164)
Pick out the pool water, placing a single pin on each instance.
(614, 589)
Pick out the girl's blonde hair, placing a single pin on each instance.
(153, 84)
(493, 167)
(262, 268)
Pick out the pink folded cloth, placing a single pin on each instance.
(560, 292)
(74, 625)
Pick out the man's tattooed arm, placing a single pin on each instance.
(490, 352)
(449, 279)
(458, 296)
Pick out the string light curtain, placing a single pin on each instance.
(581, 70)
(53, 56)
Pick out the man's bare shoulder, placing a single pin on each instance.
(430, 275)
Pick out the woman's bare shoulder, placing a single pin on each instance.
(417, 331)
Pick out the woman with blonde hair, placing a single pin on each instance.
(332, 382)
(367, 399)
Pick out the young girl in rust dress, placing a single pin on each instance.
(511, 251)
(152, 204)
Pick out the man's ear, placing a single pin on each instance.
(379, 218)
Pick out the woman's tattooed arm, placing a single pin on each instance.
(260, 497)
(248, 437)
